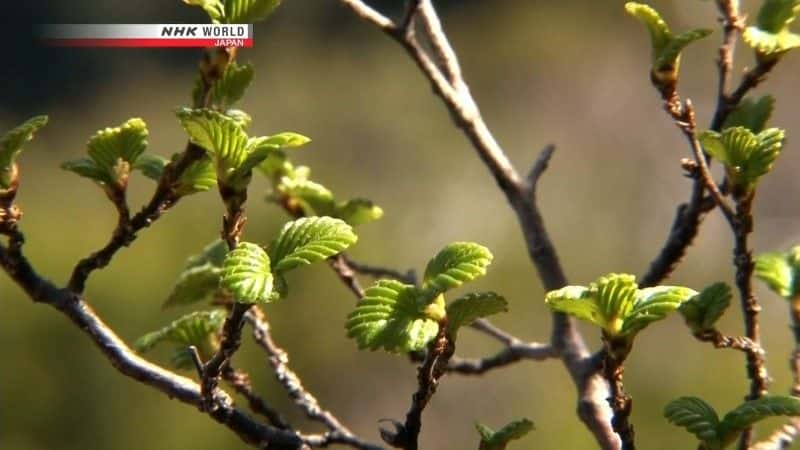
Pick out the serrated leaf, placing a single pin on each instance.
(499, 440)
(702, 311)
(240, 117)
(111, 146)
(747, 156)
(696, 416)
(232, 84)
(753, 411)
(660, 34)
(212, 254)
(246, 274)
(200, 176)
(11, 145)
(652, 304)
(218, 134)
(471, 307)
(314, 198)
(151, 166)
(358, 211)
(214, 8)
(310, 239)
(455, 265)
(778, 272)
(751, 115)
(248, 11)
(391, 316)
(194, 285)
(615, 303)
(775, 16)
(769, 44)
(576, 301)
(198, 328)
(771, 35)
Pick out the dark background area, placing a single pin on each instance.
(572, 73)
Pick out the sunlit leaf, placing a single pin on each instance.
(11, 145)
(151, 166)
(747, 156)
(310, 239)
(702, 311)
(391, 316)
(455, 265)
(750, 114)
(471, 307)
(199, 329)
(754, 411)
(779, 271)
(696, 416)
(249, 11)
(358, 211)
(232, 84)
(214, 8)
(499, 440)
(246, 274)
(771, 35)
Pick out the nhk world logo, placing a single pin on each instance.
(148, 35)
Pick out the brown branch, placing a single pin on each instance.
(440, 350)
(240, 381)
(566, 340)
(620, 401)
(279, 360)
(408, 277)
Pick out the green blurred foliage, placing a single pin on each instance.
(572, 73)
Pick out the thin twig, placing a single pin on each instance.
(279, 360)
(408, 277)
(592, 389)
(620, 401)
(240, 381)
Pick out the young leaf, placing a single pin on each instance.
(455, 265)
(287, 139)
(390, 316)
(200, 176)
(753, 411)
(751, 115)
(314, 198)
(248, 11)
(472, 307)
(231, 86)
(499, 440)
(194, 285)
(214, 8)
(220, 135)
(11, 145)
(615, 303)
(358, 211)
(125, 142)
(198, 328)
(246, 274)
(666, 47)
(747, 156)
(310, 239)
(240, 117)
(151, 166)
(654, 304)
(702, 311)
(779, 271)
(696, 416)
(771, 35)
(87, 168)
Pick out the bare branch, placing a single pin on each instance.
(408, 277)
(240, 381)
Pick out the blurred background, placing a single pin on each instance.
(572, 73)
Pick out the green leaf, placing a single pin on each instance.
(248, 11)
(109, 147)
(240, 117)
(391, 316)
(753, 411)
(615, 303)
(471, 307)
(654, 304)
(198, 328)
(310, 239)
(198, 177)
(231, 86)
(246, 274)
(771, 35)
(214, 8)
(194, 285)
(702, 311)
(218, 134)
(11, 145)
(455, 265)
(151, 166)
(751, 115)
(746, 156)
(779, 271)
(358, 211)
(287, 139)
(666, 47)
(576, 301)
(696, 416)
(212, 254)
(499, 440)
(87, 168)
(314, 198)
